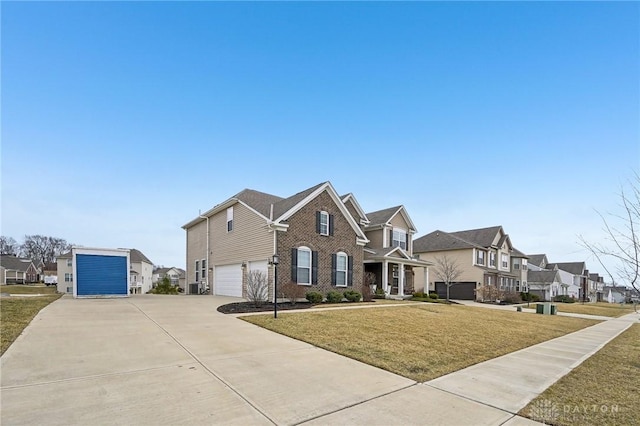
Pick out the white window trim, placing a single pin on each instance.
(310, 267)
(324, 215)
(504, 260)
(230, 219)
(345, 270)
(484, 257)
(400, 241)
(203, 269)
(494, 254)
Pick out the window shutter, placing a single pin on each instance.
(330, 224)
(294, 265)
(406, 241)
(334, 264)
(350, 271)
(314, 267)
(390, 238)
(317, 222)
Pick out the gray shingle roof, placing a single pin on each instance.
(14, 263)
(136, 255)
(517, 253)
(66, 255)
(482, 236)
(284, 205)
(381, 216)
(536, 259)
(575, 268)
(259, 201)
(542, 277)
(440, 240)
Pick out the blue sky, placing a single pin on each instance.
(121, 120)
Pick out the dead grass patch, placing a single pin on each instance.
(423, 341)
(604, 309)
(28, 289)
(603, 390)
(16, 313)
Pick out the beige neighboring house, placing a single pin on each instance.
(65, 273)
(141, 272)
(16, 270)
(175, 275)
(485, 256)
(546, 284)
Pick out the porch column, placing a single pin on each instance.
(385, 276)
(401, 280)
(427, 287)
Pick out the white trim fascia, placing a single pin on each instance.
(369, 251)
(220, 207)
(361, 242)
(336, 199)
(353, 200)
(405, 216)
(276, 226)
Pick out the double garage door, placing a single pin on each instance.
(228, 278)
(460, 291)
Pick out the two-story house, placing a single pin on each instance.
(318, 242)
(323, 241)
(176, 276)
(485, 258)
(141, 272)
(65, 273)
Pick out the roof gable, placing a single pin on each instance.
(385, 216)
(575, 268)
(538, 260)
(136, 255)
(439, 241)
(350, 198)
(484, 237)
(15, 263)
(543, 277)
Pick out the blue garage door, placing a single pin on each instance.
(101, 275)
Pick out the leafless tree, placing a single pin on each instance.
(447, 270)
(621, 241)
(8, 245)
(42, 248)
(257, 287)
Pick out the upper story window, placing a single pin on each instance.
(69, 263)
(399, 238)
(324, 223)
(516, 265)
(524, 264)
(480, 254)
(204, 269)
(68, 278)
(505, 260)
(341, 262)
(492, 259)
(230, 219)
(197, 270)
(304, 266)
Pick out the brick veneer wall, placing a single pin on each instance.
(302, 232)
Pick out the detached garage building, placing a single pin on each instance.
(99, 272)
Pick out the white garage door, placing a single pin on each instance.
(229, 280)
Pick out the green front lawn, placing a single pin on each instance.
(423, 341)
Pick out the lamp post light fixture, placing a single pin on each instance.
(274, 261)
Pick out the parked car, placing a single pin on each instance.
(50, 280)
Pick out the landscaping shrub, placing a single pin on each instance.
(564, 299)
(314, 297)
(379, 294)
(419, 295)
(334, 297)
(164, 286)
(511, 297)
(352, 296)
(292, 292)
(257, 287)
(433, 296)
(366, 294)
(529, 297)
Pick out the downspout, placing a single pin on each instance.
(206, 270)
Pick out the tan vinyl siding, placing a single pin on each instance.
(463, 258)
(196, 248)
(399, 222)
(375, 238)
(250, 240)
(352, 210)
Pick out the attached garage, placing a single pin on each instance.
(100, 272)
(228, 280)
(461, 291)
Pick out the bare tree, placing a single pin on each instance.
(257, 287)
(621, 241)
(42, 248)
(447, 270)
(8, 245)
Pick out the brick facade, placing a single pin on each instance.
(302, 232)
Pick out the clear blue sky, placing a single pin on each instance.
(121, 120)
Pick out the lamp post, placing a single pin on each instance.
(274, 261)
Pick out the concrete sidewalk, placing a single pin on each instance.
(529, 310)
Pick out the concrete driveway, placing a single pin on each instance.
(175, 360)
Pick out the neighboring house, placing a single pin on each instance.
(579, 279)
(141, 272)
(64, 267)
(16, 270)
(94, 272)
(485, 256)
(175, 275)
(596, 286)
(618, 294)
(324, 242)
(318, 242)
(545, 284)
(389, 253)
(570, 284)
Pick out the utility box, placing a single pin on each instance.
(554, 309)
(544, 308)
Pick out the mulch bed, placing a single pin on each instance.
(248, 307)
